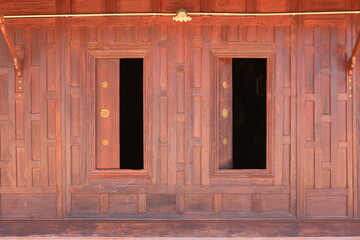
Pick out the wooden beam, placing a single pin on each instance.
(353, 56)
(11, 46)
(338, 229)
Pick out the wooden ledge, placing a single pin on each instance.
(176, 228)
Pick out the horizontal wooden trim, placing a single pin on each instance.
(181, 228)
(51, 189)
(114, 186)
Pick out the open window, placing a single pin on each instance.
(119, 133)
(242, 113)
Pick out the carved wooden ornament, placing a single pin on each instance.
(182, 16)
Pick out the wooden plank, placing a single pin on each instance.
(327, 206)
(85, 203)
(24, 176)
(28, 7)
(275, 202)
(122, 203)
(161, 203)
(153, 229)
(28, 203)
(199, 202)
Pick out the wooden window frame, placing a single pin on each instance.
(92, 171)
(243, 51)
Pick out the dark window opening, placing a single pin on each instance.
(249, 113)
(131, 113)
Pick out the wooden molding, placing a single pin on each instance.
(17, 64)
(181, 228)
(355, 51)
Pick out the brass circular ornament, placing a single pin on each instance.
(104, 113)
(105, 142)
(224, 85)
(225, 113)
(105, 84)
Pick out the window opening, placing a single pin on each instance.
(119, 113)
(131, 113)
(247, 103)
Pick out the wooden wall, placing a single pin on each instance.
(47, 133)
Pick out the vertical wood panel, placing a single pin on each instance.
(341, 168)
(342, 120)
(52, 155)
(286, 164)
(180, 154)
(36, 140)
(225, 114)
(75, 165)
(52, 72)
(309, 170)
(205, 150)
(51, 116)
(309, 68)
(35, 93)
(287, 116)
(3, 93)
(325, 94)
(20, 119)
(24, 175)
(107, 128)
(163, 165)
(5, 144)
(34, 47)
(309, 121)
(75, 116)
(163, 117)
(278, 85)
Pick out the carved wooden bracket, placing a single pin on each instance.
(353, 56)
(11, 46)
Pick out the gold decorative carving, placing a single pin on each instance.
(225, 141)
(105, 142)
(225, 113)
(182, 16)
(105, 84)
(105, 113)
(224, 85)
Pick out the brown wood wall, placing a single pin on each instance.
(48, 116)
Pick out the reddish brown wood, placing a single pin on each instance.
(225, 114)
(353, 56)
(180, 228)
(107, 139)
(51, 159)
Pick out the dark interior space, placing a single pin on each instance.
(131, 113)
(249, 113)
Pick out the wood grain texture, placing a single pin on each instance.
(49, 145)
(180, 228)
(107, 139)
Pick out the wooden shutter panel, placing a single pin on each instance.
(107, 113)
(225, 114)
